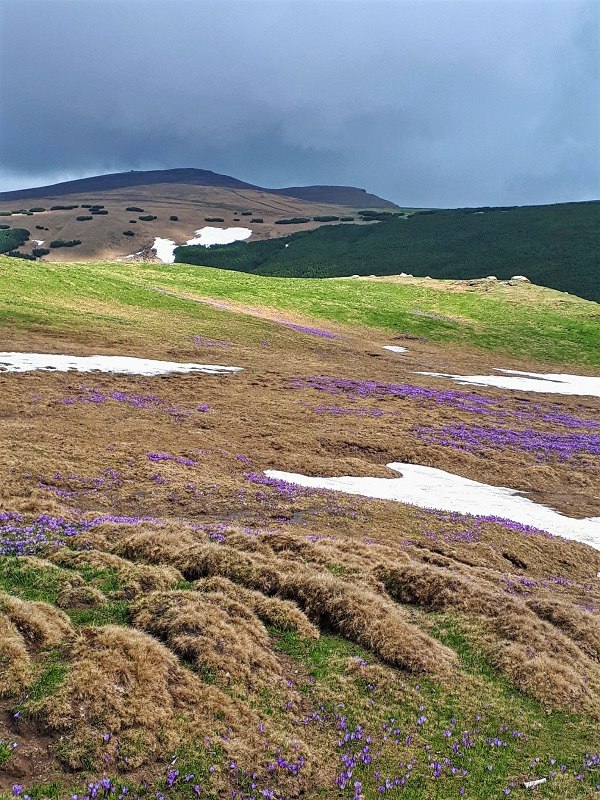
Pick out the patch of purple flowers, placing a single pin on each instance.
(145, 402)
(360, 389)
(20, 536)
(156, 457)
(283, 488)
(475, 438)
(70, 486)
(312, 331)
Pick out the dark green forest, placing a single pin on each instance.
(12, 238)
(557, 246)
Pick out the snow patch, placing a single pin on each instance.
(549, 383)
(394, 348)
(126, 365)
(165, 250)
(208, 236)
(427, 487)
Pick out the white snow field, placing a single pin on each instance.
(549, 383)
(427, 487)
(125, 365)
(164, 249)
(394, 348)
(207, 236)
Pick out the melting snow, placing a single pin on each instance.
(127, 365)
(427, 487)
(394, 348)
(529, 382)
(165, 249)
(207, 236)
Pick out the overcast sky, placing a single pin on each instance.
(425, 102)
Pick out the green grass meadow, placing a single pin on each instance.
(523, 321)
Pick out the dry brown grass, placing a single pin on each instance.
(80, 597)
(15, 663)
(540, 659)
(283, 614)
(64, 578)
(125, 682)
(581, 626)
(354, 611)
(134, 578)
(217, 633)
(40, 624)
(25, 627)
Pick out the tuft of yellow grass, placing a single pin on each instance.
(124, 682)
(214, 631)
(80, 597)
(40, 624)
(134, 578)
(15, 662)
(356, 611)
(538, 657)
(282, 614)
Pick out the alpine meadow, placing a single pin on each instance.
(299, 480)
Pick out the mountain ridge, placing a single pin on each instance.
(339, 195)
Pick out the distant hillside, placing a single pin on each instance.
(338, 195)
(114, 216)
(554, 245)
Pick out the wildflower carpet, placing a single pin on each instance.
(174, 623)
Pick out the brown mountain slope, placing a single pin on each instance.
(102, 236)
(340, 195)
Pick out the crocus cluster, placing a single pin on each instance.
(20, 536)
(156, 457)
(283, 488)
(152, 402)
(70, 486)
(312, 331)
(454, 398)
(356, 389)
(544, 445)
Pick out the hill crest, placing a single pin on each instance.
(339, 195)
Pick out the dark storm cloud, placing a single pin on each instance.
(424, 102)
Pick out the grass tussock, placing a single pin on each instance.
(537, 656)
(81, 597)
(220, 635)
(124, 682)
(583, 627)
(282, 614)
(40, 624)
(133, 578)
(15, 661)
(355, 611)
(370, 620)
(33, 578)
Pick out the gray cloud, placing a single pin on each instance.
(427, 102)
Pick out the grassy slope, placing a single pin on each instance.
(525, 321)
(555, 246)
